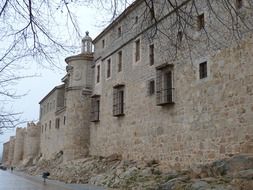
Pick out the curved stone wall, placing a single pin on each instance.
(19, 146)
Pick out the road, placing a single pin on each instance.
(19, 181)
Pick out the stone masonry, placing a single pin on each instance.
(24, 147)
(209, 118)
(19, 144)
(52, 121)
(181, 101)
(5, 153)
(31, 147)
(11, 150)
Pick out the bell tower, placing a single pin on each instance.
(78, 91)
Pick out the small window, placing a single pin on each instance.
(238, 4)
(41, 112)
(137, 50)
(151, 87)
(45, 127)
(120, 61)
(179, 37)
(95, 108)
(118, 100)
(108, 71)
(98, 73)
(151, 54)
(119, 31)
(50, 124)
(136, 20)
(202, 70)
(103, 43)
(64, 102)
(201, 21)
(64, 120)
(164, 85)
(57, 123)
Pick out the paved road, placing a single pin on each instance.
(18, 181)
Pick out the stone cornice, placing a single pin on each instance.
(88, 57)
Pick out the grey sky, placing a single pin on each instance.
(89, 19)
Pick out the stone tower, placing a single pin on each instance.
(19, 146)
(5, 153)
(11, 150)
(78, 91)
(32, 141)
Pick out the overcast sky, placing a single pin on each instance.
(89, 19)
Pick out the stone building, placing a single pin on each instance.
(19, 146)
(11, 150)
(24, 147)
(31, 146)
(181, 106)
(78, 83)
(156, 90)
(65, 110)
(52, 120)
(5, 153)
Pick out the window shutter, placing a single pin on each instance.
(158, 86)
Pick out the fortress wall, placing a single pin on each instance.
(5, 152)
(19, 146)
(11, 150)
(32, 141)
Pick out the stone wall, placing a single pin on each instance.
(77, 132)
(211, 117)
(19, 146)
(51, 134)
(5, 153)
(11, 150)
(32, 141)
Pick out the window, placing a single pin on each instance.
(50, 124)
(164, 85)
(45, 127)
(136, 20)
(118, 100)
(203, 70)
(41, 112)
(239, 4)
(200, 21)
(98, 73)
(151, 54)
(64, 102)
(137, 50)
(103, 43)
(57, 123)
(95, 108)
(119, 31)
(151, 87)
(64, 120)
(179, 37)
(119, 61)
(108, 71)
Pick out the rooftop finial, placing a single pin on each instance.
(86, 44)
